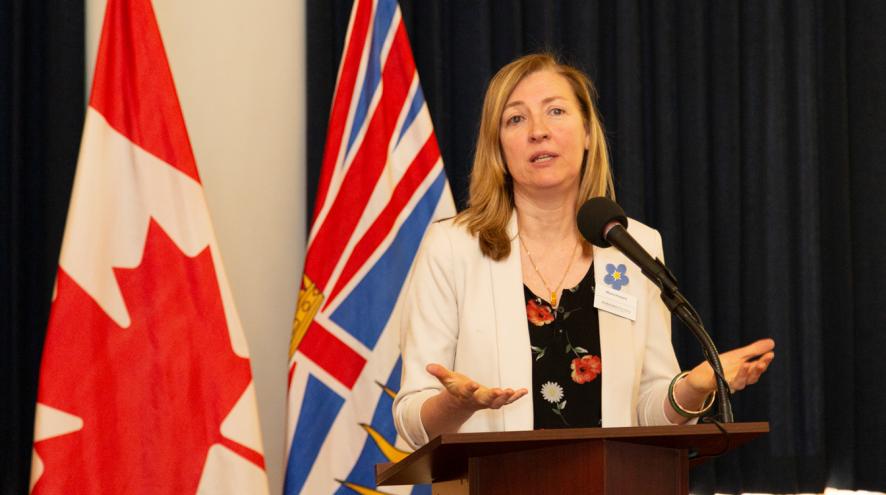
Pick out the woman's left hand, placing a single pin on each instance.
(741, 367)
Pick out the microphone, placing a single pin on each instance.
(603, 223)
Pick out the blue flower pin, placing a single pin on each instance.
(616, 276)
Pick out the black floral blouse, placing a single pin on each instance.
(566, 365)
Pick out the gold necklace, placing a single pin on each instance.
(538, 272)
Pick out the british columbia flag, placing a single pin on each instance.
(382, 182)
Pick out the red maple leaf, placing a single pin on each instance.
(152, 396)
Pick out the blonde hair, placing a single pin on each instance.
(491, 195)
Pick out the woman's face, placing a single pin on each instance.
(542, 135)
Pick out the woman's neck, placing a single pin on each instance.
(545, 219)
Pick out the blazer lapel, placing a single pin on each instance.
(616, 347)
(512, 333)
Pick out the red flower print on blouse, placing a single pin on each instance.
(538, 314)
(586, 368)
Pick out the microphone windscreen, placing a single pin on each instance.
(595, 215)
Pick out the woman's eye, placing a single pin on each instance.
(514, 119)
(557, 111)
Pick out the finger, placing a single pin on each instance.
(754, 376)
(757, 371)
(754, 373)
(766, 358)
(740, 379)
(760, 366)
(439, 371)
(517, 395)
(500, 392)
(757, 348)
(501, 400)
(466, 390)
(485, 396)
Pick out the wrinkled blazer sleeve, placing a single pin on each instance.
(428, 333)
(659, 360)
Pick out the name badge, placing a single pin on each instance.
(616, 302)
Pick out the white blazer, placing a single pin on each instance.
(467, 312)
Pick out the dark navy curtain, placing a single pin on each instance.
(752, 135)
(41, 117)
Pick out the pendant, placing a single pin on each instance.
(554, 299)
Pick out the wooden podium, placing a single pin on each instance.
(641, 460)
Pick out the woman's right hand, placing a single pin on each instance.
(469, 395)
(460, 398)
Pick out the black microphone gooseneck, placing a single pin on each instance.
(602, 222)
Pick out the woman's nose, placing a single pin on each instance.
(538, 132)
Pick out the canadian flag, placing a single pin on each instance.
(145, 383)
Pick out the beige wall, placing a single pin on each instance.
(239, 68)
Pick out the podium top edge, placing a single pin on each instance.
(614, 433)
(445, 456)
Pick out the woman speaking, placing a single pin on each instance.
(507, 300)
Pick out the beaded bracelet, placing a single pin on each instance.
(708, 403)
